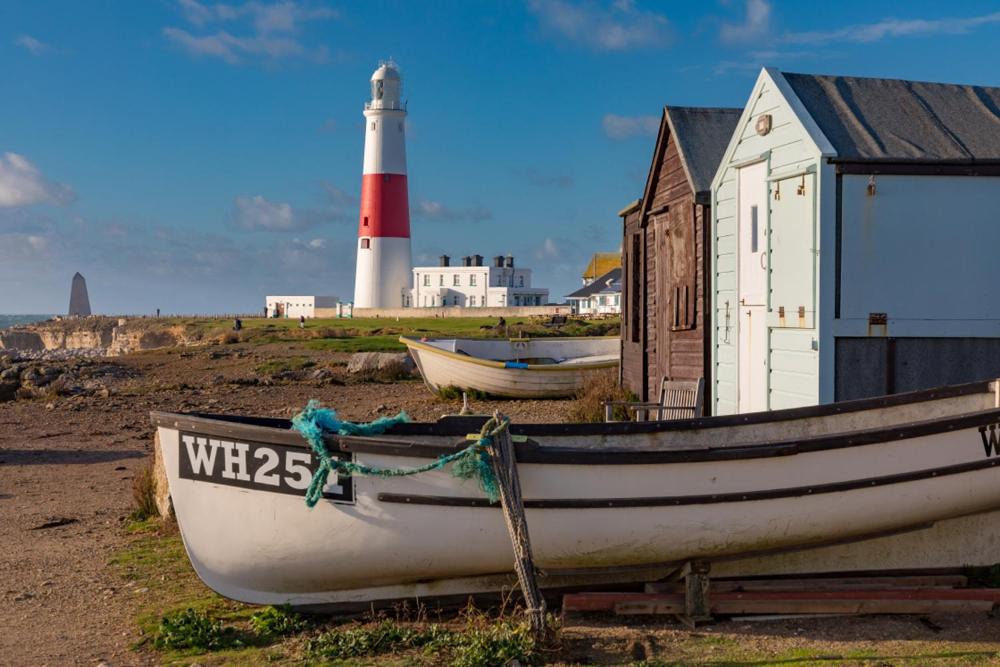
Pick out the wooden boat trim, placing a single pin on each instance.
(531, 452)
(662, 501)
(464, 358)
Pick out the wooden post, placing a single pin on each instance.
(697, 607)
(504, 464)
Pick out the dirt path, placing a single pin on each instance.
(66, 470)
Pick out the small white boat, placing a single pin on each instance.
(513, 368)
(604, 502)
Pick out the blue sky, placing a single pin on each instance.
(194, 156)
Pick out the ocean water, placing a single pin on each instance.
(12, 320)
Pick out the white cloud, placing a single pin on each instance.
(891, 27)
(233, 49)
(548, 250)
(22, 184)
(615, 27)
(259, 213)
(34, 46)
(626, 127)
(257, 29)
(756, 23)
(434, 210)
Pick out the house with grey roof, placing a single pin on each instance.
(602, 296)
(853, 241)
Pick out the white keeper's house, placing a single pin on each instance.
(473, 285)
(298, 306)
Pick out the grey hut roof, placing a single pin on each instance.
(609, 282)
(702, 135)
(895, 120)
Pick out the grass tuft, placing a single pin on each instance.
(144, 494)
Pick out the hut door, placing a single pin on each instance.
(753, 288)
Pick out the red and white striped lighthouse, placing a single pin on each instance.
(383, 272)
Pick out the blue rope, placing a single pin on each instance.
(313, 422)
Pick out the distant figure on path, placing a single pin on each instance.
(237, 324)
(157, 312)
(501, 325)
(302, 321)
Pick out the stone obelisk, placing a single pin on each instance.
(79, 302)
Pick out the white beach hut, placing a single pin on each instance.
(853, 241)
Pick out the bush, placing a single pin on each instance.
(598, 388)
(229, 338)
(387, 636)
(144, 494)
(273, 622)
(190, 629)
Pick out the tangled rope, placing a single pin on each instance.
(490, 460)
(473, 462)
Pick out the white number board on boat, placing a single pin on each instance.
(257, 466)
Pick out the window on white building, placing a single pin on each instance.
(441, 280)
(520, 280)
(456, 280)
(472, 300)
(472, 280)
(366, 243)
(427, 280)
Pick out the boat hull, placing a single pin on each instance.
(432, 534)
(442, 368)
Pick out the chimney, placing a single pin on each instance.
(466, 261)
(445, 260)
(498, 261)
(510, 262)
(477, 260)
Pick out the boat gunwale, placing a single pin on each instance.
(699, 499)
(412, 343)
(531, 452)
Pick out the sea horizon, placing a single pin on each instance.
(15, 320)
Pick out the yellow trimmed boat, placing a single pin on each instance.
(512, 368)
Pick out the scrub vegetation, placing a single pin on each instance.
(588, 405)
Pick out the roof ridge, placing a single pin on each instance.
(887, 78)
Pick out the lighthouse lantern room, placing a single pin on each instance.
(382, 278)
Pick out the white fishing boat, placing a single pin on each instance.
(512, 368)
(604, 502)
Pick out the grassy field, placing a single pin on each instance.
(381, 334)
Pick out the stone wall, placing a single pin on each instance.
(451, 311)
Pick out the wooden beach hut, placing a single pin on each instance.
(664, 316)
(853, 241)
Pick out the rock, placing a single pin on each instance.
(8, 390)
(370, 363)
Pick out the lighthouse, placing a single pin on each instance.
(382, 277)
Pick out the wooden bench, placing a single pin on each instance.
(679, 399)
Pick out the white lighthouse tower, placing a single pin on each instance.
(383, 270)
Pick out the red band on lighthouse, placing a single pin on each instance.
(385, 208)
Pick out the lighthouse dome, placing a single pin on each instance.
(387, 87)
